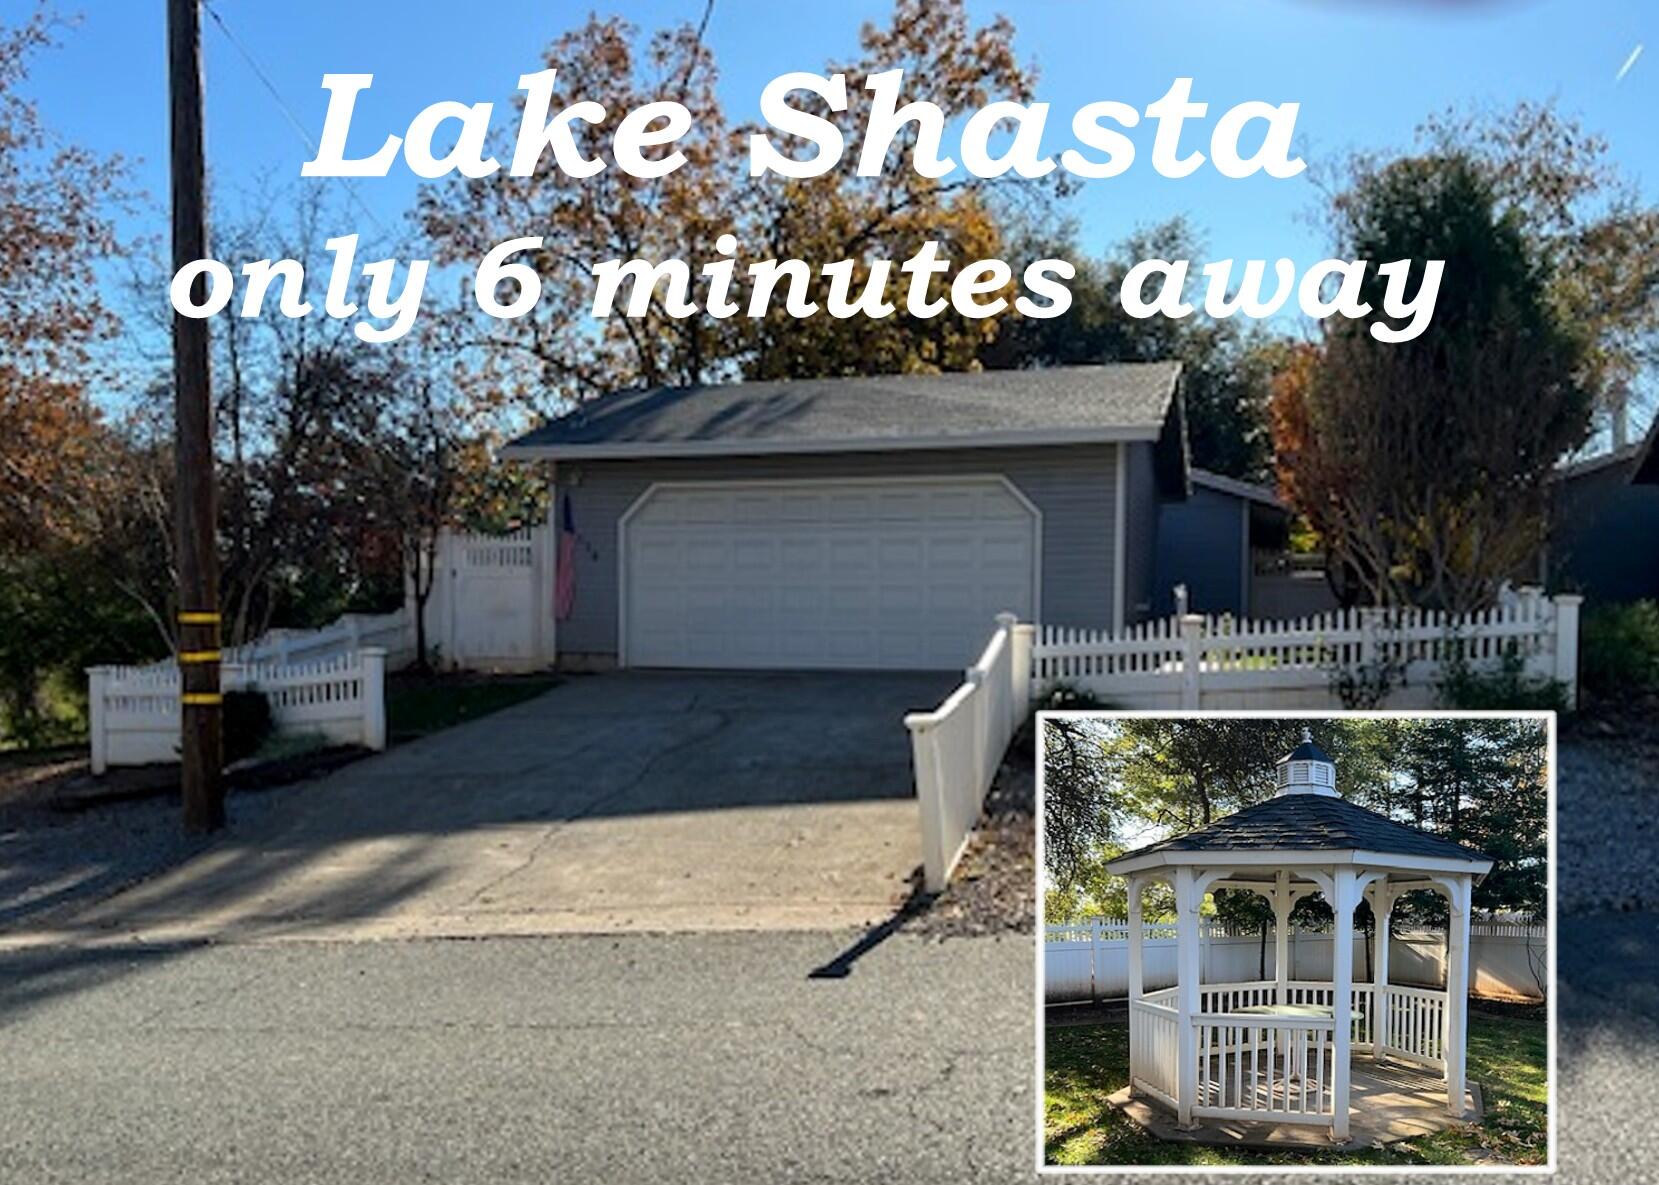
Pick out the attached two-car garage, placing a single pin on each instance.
(897, 574)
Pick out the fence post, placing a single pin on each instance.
(373, 666)
(97, 687)
(1021, 638)
(1192, 658)
(1368, 616)
(1566, 643)
(924, 752)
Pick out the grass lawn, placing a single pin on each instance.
(420, 704)
(1508, 1056)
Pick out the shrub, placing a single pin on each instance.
(1619, 648)
(247, 724)
(1509, 688)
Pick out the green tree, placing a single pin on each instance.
(1423, 464)
(1227, 365)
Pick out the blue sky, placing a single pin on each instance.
(1365, 72)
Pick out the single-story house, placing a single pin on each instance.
(875, 522)
(1604, 536)
(1210, 542)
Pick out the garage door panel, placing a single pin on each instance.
(862, 575)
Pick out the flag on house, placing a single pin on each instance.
(564, 584)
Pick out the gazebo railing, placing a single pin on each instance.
(1267, 1068)
(1154, 1046)
(1274, 1068)
(1416, 1026)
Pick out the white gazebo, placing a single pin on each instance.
(1281, 1051)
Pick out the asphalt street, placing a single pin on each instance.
(684, 1058)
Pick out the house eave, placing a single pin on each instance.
(640, 450)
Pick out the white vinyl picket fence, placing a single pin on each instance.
(134, 711)
(958, 747)
(1194, 661)
(392, 632)
(1209, 661)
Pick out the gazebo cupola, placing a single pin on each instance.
(1307, 769)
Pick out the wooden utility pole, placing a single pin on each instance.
(195, 502)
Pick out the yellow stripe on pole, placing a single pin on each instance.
(201, 699)
(199, 656)
(195, 617)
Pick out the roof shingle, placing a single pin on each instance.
(1130, 400)
(1309, 822)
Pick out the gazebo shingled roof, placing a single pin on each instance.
(1308, 822)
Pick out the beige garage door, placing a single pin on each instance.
(892, 574)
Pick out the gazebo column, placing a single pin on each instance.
(1137, 964)
(1282, 902)
(1459, 891)
(1343, 899)
(1382, 910)
(1189, 896)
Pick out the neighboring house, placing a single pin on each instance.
(860, 522)
(1212, 543)
(1604, 538)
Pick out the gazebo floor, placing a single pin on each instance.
(1389, 1102)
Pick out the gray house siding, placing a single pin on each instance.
(1201, 545)
(1140, 533)
(1074, 488)
(1605, 542)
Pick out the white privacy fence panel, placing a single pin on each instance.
(134, 711)
(1090, 961)
(958, 747)
(1198, 661)
(491, 605)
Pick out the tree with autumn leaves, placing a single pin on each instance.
(63, 465)
(55, 226)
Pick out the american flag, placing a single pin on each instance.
(564, 585)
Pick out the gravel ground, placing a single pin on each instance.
(54, 860)
(1607, 804)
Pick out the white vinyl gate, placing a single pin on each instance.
(854, 574)
(491, 606)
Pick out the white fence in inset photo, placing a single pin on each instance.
(134, 711)
(1090, 960)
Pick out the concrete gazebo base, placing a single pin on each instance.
(1391, 1103)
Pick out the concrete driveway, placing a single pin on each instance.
(632, 801)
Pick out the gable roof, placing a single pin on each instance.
(1248, 490)
(998, 408)
(1306, 823)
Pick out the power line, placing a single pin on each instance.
(276, 96)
